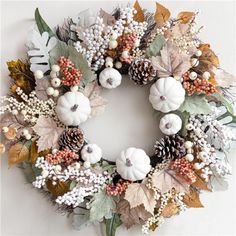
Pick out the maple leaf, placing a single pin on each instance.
(131, 216)
(48, 132)
(137, 194)
(41, 89)
(97, 103)
(171, 62)
(165, 180)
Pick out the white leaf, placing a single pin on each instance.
(86, 18)
(48, 132)
(223, 78)
(41, 45)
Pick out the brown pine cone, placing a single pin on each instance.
(72, 138)
(141, 71)
(169, 148)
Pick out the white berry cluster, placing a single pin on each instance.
(100, 37)
(31, 107)
(201, 128)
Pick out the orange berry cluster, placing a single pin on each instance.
(71, 75)
(185, 169)
(117, 189)
(65, 156)
(198, 85)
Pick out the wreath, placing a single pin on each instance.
(59, 87)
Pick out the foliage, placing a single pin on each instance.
(162, 14)
(112, 224)
(156, 46)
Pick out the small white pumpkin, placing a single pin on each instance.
(110, 78)
(167, 94)
(170, 124)
(91, 153)
(133, 164)
(73, 108)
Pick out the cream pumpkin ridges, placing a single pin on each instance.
(73, 108)
(170, 124)
(133, 164)
(167, 94)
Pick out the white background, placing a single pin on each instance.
(127, 121)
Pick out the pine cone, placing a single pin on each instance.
(169, 148)
(141, 71)
(72, 138)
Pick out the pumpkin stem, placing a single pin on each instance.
(89, 150)
(163, 98)
(168, 125)
(74, 108)
(128, 162)
(110, 81)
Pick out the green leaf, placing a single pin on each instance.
(101, 206)
(156, 46)
(108, 167)
(72, 185)
(196, 104)
(42, 25)
(185, 117)
(219, 97)
(62, 49)
(112, 224)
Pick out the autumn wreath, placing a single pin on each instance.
(58, 88)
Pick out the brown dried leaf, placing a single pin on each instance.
(48, 132)
(97, 103)
(2, 148)
(200, 183)
(169, 210)
(208, 56)
(162, 14)
(171, 62)
(11, 134)
(41, 89)
(185, 16)
(59, 189)
(17, 154)
(137, 194)
(139, 16)
(192, 199)
(165, 180)
(131, 216)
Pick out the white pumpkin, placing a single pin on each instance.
(167, 94)
(133, 164)
(170, 124)
(91, 153)
(110, 78)
(73, 108)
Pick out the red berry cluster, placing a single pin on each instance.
(71, 75)
(65, 156)
(185, 169)
(199, 85)
(117, 189)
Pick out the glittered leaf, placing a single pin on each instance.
(171, 62)
(169, 210)
(97, 103)
(139, 16)
(59, 189)
(131, 216)
(48, 132)
(196, 104)
(185, 16)
(137, 194)
(17, 154)
(219, 183)
(192, 199)
(166, 180)
(42, 25)
(162, 14)
(112, 224)
(22, 76)
(81, 217)
(156, 45)
(101, 206)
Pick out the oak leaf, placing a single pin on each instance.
(137, 194)
(139, 16)
(169, 210)
(192, 199)
(162, 14)
(131, 216)
(17, 154)
(185, 16)
(48, 132)
(97, 103)
(171, 62)
(165, 180)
